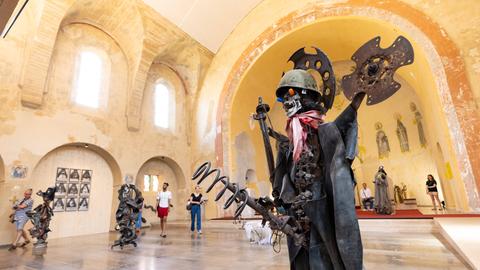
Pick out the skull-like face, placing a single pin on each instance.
(292, 103)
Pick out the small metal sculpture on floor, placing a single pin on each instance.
(312, 179)
(131, 201)
(41, 216)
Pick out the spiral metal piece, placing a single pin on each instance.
(239, 195)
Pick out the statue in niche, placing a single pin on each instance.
(418, 122)
(402, 135)
(382, 141)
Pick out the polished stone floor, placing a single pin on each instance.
(396, 244)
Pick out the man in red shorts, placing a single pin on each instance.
(164, 202)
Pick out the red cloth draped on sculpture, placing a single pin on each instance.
(296, 129)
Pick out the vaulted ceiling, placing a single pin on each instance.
(207, 21)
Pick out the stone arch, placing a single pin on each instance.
(430, 40)
(105, 175)
(166, 169)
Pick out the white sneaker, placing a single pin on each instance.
(199, 232)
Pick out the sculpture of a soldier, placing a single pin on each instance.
(41, 216)
(312, 180)
(131, 201)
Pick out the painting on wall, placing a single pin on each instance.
(62, 175)
(419, 123)
(59, 204)
(83, 204)
(382, 141)
(73, 189)
(19, 171)
(74, 175)
(71, 204)
(402, 134)
(86, 176)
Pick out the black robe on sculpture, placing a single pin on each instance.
(335, 241)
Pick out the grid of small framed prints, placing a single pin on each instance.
(73, 190)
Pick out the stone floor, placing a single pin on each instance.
(395, 244)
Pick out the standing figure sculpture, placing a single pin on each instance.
(383, 204)
(131, 201)
(41, 216)
(312, 180)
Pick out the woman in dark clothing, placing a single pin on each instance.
(195, 201)
(431, 188)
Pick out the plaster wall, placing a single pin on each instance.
(28, 134)
(271, 21)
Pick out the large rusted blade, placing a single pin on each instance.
(322, 65)
(375, 69)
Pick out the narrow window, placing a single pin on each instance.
(146, 183)
(155, 183)
(89, 79)
(162, 102)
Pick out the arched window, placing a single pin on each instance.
(163, 109)
(88, 83)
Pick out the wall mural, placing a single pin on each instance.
(418, 122)
(402, 134)
(382, 141)
(73, 190)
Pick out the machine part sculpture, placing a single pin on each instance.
(262, 205)
(41, 216)
(375, 68)
(320, 63)
(131, 201)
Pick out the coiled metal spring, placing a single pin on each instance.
(239, 195)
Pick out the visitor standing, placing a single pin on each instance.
(195, 201)
(20, 218)
(164, 202)
(431, 188)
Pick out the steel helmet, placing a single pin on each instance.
(297, 78)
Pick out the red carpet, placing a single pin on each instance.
(399, 214)
(408, 214)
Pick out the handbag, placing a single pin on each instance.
(189, 207)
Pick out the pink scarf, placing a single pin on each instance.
(296, 129)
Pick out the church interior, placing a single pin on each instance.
(103, 97)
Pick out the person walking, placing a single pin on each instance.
(20, 218)
(195, 202)
(164, 202)
(431, 189)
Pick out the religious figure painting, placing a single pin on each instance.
(419, 123)
(19, 171)
(62, 175)
(74, 175)
(59, 204)
(382, 142)
(402, 135)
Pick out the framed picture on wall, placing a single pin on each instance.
(83, 204)
(62, 175)
(72, 190)
(74, 175)
(61, 189)
(59, 204)
(84, 189)
(72, 204)
(86, 176)
(19, 171)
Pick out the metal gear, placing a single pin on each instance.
(375, 69)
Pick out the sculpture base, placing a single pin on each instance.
(410, 203)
